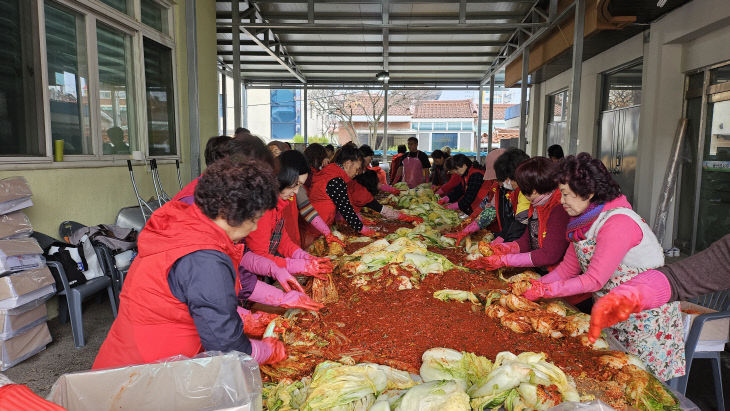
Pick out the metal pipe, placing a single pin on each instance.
(191, 39)
(385, 124)
(522, 142)
(580, 11)
(491, 113)
(305, 120)
(479, 123)
(236, 33)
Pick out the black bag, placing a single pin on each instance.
(73, 268)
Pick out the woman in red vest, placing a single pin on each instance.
(543, 244)
(472, 179)
(329, 194)
(272, 240)
(180, 295)
(362, 191)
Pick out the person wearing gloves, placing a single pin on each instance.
(454, 186)
(439, 174)
(703, 273)
(543, 243)
(415, 167)
(382, 178)
(367, 154)
(611, 244)
(271, 239)
(507, 205)
(303, 206)
(328, 193)
(395, 164)
(362, 190)
(179, 297)
(317, 158)
(243, 147)
(472, 179)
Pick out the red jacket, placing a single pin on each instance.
(454, 181)
(318, 196)
(152, 324)
(382, 179)
(271, 226)
(359, 195)
(477, 198)
(187, 191)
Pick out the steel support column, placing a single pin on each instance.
(491, 113)
(580, 11)
(244, 103)
(191, 38)
(305, 119)
(523, 99)
(236, 33)
(385, 124)
(479, 123)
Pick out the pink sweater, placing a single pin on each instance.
(616, 237)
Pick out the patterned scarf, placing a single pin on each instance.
(579, 225)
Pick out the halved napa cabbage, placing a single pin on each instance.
(434, 396)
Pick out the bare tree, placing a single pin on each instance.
(345, 105)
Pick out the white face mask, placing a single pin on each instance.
(507, 185)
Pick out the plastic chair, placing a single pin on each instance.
(76, 295)
(720, 302)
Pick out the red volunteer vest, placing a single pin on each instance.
(478, 198)
(152, 324)
(318, 193)
(359, 195)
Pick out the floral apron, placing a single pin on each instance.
(654, 335)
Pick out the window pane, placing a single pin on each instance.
(160, 99)
(623, 89)
(121, 5)
(115, 81)
(18, 135)
(467, 125)
(425, 126)
(439, 140)
(68, 80)
(154, 15)
(284, 114)
(454, 125)
(439, 126)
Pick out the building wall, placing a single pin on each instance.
(93, 192)
(690, 37)
(259, 112)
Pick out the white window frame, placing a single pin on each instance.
(94, 11)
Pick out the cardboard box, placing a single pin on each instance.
(20, 254)
(715, 334)
(211, 381)
(18, 320)
(14, 194)
(24, 346)
(21, 288)
(15, 225)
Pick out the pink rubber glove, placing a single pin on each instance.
(538, 290)
(263, 266)
(318, 267)
(505, 248)
(268, 351)
(470, 228)
(389, 189)
(439, 192)
(302, 255)
(647, 290)
(517, 260)
(490, 263)
(453, 206)
(270, 295)
(321, 226)
(296, 265)
(389, 213)
(443, 200)
(498, 240)
(254, 324)
(367, 231)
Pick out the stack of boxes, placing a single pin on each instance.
(25, 281)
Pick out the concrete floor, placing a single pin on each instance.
(41, 371)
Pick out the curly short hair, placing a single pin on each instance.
(586, 175)
(507, 163)
(236, 190)
(537, 174)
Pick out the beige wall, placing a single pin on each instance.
(693, 36)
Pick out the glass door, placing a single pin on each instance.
(556, 128)
(703, 217)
